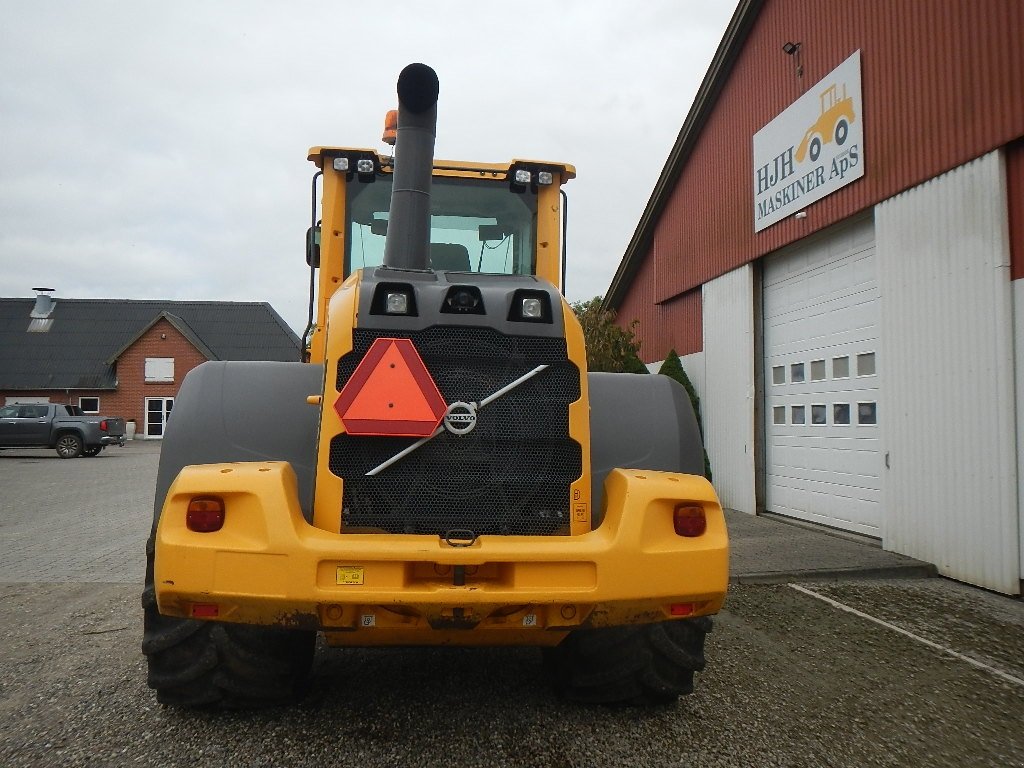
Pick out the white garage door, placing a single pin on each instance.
(822, 364)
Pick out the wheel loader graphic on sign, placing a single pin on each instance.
(834, 124)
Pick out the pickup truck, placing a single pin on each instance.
(62, 427)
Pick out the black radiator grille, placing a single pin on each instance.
(510, 475)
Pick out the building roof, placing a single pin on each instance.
(703, 103)
(88, 335)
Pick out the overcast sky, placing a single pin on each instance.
(158, 150)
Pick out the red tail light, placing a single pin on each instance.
(205, 514)
(103, 425)
(689, 520)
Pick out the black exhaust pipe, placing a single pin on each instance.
(408, 239)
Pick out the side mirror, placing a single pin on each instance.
(313, 246)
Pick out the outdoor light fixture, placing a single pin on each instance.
(522, 176)
(365, 165)
(341, 164)
(544, 177)
(793, 49)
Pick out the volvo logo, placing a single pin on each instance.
(460, 418)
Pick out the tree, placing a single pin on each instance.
(610, 348)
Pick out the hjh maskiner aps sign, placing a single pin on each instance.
(812, 149)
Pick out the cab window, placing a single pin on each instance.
(475, 226)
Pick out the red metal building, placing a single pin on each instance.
(835, 247)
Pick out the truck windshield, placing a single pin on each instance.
(475, 226)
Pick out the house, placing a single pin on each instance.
(127, 358)
(835, 249)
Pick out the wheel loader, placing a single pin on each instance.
(441, 468)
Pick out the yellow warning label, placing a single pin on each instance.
(350, 574)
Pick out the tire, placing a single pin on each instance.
(815, 149)
(231, 666)
(646, 664)
(69, 446)
(92, 451)
(842, 132)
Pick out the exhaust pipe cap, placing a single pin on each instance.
(418, 88)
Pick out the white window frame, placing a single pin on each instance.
(159, 370)
(811, 422)
(89, 398)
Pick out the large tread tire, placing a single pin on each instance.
(630, 665)
(233, 666)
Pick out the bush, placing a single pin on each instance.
(610, 348)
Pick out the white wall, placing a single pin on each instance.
(947, 409)
(727, 387)
(1018, 338)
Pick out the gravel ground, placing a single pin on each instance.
(790, 682)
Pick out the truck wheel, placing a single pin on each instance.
(636, 665)
(69, 446)
(211, 664)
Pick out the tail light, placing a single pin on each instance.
(205, 514)
(689, 520)
(103, 425)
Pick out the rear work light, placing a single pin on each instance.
(689, 520)
(205, 514)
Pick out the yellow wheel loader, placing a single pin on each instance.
(440, 469)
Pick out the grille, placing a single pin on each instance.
(509, 476)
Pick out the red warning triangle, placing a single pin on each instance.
(391, 392)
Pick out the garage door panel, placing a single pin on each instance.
(821, 310)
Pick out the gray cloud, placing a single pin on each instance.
(157, 150)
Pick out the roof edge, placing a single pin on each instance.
(710, 88)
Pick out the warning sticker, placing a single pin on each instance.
(350, 574)
(579, 512)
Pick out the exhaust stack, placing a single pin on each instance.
(408, 239)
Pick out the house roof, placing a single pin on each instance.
(703, 103)
(88, 335)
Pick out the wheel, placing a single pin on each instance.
(69, 446)
(92, 451)
(637, 665)
(815, 149)
(233, 666)
(842, 131)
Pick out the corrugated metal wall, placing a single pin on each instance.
(941, 86)
(728, 405)
(674, 324)
(948, 405)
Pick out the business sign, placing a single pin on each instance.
(812, 149)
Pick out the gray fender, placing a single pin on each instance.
(244, 411)
(640, 422)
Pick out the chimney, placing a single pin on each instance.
(40, 316)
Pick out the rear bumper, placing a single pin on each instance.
(267, 565)
(113, 440)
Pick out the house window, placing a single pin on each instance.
(89, 404)
(817, 370)
(159, 369)
(796, 373)
(779, 414)
(778, 374)
(866, 364)
(798, 415)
